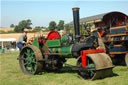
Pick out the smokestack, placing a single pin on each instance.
(76, 23)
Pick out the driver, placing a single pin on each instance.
(22, 40)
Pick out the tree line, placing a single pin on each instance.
(26, 24)
(85, 29)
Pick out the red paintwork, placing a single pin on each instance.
(85, 52)
(53, 35)
(101, 33)
(45, 51)
(119, 23)
(45, 45)
(84, 58)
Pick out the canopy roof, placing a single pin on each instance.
(102, 17)
(91, 19)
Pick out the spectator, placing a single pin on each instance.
(2, 50)
(22, 40)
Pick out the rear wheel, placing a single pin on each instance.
(126, 59)
(29, 60)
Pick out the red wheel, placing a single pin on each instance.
(53, 35)
(126, 59)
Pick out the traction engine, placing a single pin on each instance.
(51, 53)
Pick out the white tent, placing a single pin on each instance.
(2, 40)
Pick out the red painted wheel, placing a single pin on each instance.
(126, 59)
(53, 35)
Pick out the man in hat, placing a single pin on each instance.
(22, 40)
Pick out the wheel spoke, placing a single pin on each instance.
(28, 50)
(26, 54)
(92, 73)
(26, 63)
(32, 54)
(90, 65)
(33, 58)
(31, 68)
(24, 58)
(33, 62)
(27, 66)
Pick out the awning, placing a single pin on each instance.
(7, 39)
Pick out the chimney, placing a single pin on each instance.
(76, 23)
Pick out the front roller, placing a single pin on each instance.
(98, 65)
(126, 59)
(29, 60)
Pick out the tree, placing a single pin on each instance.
(12, 25)
(60, 25)
(42, 27)
(67, 28)
(52, 25)
(22, 25)
(16, 29)
(37, 27)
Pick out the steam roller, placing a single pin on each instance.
(49, 54)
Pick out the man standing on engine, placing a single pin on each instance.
(22, 40)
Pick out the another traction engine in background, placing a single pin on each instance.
(113, 30)
(50, 54)
(116, 42)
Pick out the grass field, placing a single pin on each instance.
(11, 74)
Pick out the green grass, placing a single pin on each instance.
(11, 74)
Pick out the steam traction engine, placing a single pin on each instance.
(117, 41)
(113, 30)
(50, 54)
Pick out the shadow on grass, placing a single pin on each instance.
(110, 76)
(113, 75)
(68, 69)
(65, 69)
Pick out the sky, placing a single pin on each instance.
(41, 12)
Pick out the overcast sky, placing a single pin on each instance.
(42, 12)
